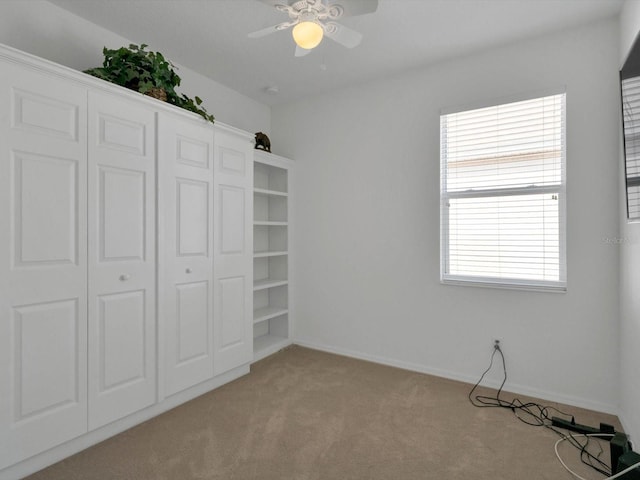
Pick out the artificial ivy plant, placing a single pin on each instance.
(146, 72)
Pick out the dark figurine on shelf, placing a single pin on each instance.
(263, 142)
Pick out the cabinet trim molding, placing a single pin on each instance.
(48, 67)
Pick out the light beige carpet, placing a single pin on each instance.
(302, 414)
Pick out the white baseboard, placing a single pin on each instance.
(509, 387)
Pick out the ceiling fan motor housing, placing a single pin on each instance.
(323, 13)
(310, 10)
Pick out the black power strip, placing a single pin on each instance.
(605, 428)
(622, 457)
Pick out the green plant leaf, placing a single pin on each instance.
(142, 70)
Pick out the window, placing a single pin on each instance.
(503, 195)
(631, 120)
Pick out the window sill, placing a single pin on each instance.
(545, 288)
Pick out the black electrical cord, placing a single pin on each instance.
(534, 414)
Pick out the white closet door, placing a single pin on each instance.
(233, 251)
(122, 331)
(43, 266)
(185, 172)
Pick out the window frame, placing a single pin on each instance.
(559, 286)
(629, 141)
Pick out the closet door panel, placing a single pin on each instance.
(186, 279)
(45, 199)
(43, 268)
(232, 220)
(233, 265)
(122, 340)
(46, 346)
(193, 308)
(122, 263)
(232, 311)
(193, 222)
(121, 236)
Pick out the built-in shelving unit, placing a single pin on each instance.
(271, 254)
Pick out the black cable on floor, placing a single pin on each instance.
(534, 414)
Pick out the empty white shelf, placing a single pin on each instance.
(265, 313)
(268, 254)
(268, 283)
(273, 193)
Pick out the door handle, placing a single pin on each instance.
(124, 277)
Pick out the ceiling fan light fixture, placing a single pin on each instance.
(307, 34)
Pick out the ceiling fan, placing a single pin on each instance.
(313, 19)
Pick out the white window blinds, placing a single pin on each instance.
(631, 116)
(503, 194)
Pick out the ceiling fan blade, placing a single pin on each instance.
(272, 29)
(343, 35)
(354, 7)
(301, 52)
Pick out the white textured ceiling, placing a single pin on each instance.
(210, 37)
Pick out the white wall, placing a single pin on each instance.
(48, 31)
(366, 219)
(367, 223)
(629, 269)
